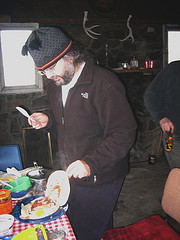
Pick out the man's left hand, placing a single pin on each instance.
(78, 169)
(166, 125)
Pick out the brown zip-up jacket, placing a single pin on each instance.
(96, 125)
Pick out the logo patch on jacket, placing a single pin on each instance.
(84, 95)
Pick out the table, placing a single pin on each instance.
(61, 223)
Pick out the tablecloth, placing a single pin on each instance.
(60, 223)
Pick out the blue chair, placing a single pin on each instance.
(10, 157)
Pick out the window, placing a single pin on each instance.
(171, 43)
(17, 73)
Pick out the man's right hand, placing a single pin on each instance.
(166, 125)
(40, 120)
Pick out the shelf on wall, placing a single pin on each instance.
(137, 70)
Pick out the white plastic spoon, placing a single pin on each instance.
(5, 183)
(24, 112)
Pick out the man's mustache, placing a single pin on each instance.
(55, 77)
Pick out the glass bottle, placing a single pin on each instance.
(169, 142)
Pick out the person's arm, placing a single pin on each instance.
(166, 125)
(119, 127)
(154, 97)
(40, 120)
(78, 169)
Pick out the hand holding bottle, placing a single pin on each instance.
(166, 125)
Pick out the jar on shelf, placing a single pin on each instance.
(125, 65)
(5, 201)
(134, 63)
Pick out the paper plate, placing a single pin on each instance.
(58, 187)
(17, 212)
(6, 224)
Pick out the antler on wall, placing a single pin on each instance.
(130, 35)
(88, 30)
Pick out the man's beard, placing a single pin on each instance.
(67, 76)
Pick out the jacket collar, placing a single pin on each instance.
(87, 72)
(85, 77)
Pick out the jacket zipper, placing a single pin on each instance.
(63, 120)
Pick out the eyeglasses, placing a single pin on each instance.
(48, 70)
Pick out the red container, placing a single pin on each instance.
(147, 64)
(151, 64)
(5, 201)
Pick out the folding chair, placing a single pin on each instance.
(10, 157)
(154, 227)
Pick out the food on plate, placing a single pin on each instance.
(38, 208)
(56, 195)
(58, 187)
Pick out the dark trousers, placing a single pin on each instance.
(91, 209)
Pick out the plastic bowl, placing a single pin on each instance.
(20, 184)
(6, 224)
(19, 194)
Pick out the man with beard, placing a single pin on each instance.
(95, 127)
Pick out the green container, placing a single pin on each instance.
(19, 184)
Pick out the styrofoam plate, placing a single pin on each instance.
(58, 187)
